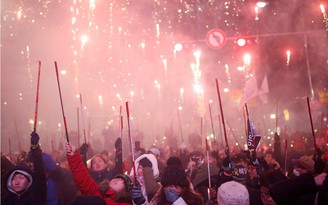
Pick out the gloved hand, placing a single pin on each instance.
(170, 194)
(276, 137)
(317, 155)
(84, 149)
(228, 165)
(137, 195)
(118, 144)
(144, 162)
(34, 140)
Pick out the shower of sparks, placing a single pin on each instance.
(123, 50)
(288, 57)
(256, 9)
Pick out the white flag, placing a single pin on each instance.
(251, 90)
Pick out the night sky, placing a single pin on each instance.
(113, 52)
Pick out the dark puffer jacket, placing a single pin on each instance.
(36, 191)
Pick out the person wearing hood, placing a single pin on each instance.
(24, 186)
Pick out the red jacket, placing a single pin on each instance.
(84, 181)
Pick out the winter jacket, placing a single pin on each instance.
(36, 191)
(85, 183)
(299, 190)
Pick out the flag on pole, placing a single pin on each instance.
(252, 90)
(253, 140)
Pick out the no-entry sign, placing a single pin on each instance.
(215, 38)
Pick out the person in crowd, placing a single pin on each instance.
(261, 195)
(176, 188)
(147, 174)
(156, 152)
(201, 182)
(303, 165)
(61, 189)
(115, 192)
(99, 169)
(304, 189)
(232, 192)
(26, 186)
(271, 160)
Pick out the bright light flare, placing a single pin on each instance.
(84, 40)
(19, 13)
(241, 42)
(197, 54)
(100, 100)
(286, 114)
(273, 116)
(256, 9)
(288, 57)
(261, 4)
(63, 72)
(178, 47)
(322, 7)
(247, 59)
(143, 45)
(198, 88)
(226, 90)
(118, 96)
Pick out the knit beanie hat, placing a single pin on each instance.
(232, 193)
(305, 163)
(239, 173)
(127, 181)
(174, 161)
(174, 175)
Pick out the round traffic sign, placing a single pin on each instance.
(215, 38)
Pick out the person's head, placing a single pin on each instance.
(174, 176)
(304, 164)
(19, 179)
(232, 193)
(121, 182)
(98, 163)
(155, 151)
(268, 156)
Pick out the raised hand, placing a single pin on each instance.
(70, 149)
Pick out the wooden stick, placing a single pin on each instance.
(222, 116)
(210, 110)
(37, 98)
(310, 115)
(61, 102)
(82, 115)
(131, 143)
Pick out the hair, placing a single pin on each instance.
(187, 194)
(123, 197)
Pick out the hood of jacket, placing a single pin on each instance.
(22, 169)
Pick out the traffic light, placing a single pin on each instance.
(245, 41)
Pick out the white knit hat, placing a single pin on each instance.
(232, 193)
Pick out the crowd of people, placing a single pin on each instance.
(178, 176)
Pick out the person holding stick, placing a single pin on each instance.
(25, 185)
(115, 192)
